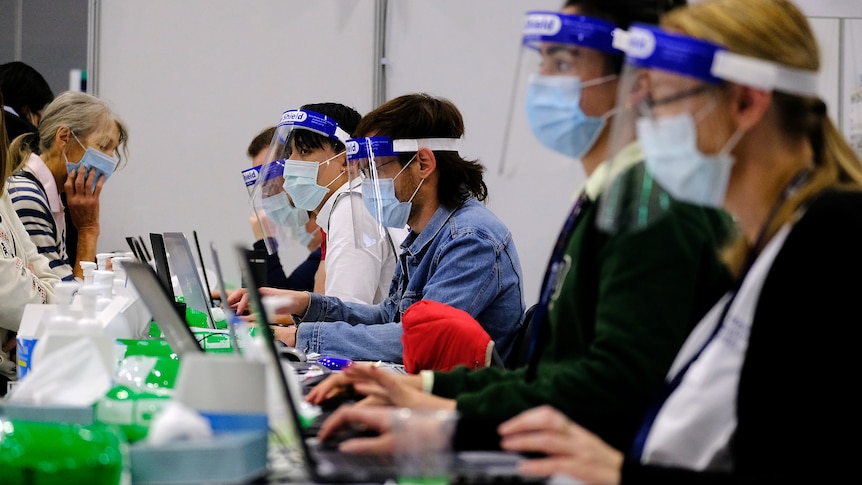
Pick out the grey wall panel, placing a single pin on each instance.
(49, 35)
(8, 29)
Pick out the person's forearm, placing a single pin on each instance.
(87, 239)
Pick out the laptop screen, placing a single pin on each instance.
(177, 332)
(184, 267)
(160, 256)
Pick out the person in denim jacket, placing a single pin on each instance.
(457, 252)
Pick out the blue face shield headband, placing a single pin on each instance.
(649, 47)
(312, 121)
(553, 102)
(378, 194)
(670, 143)
(577, 30)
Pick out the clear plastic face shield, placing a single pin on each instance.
(373, 164)
(296, 177)
(672, 115)
(560, 101)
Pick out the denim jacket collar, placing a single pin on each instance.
(415, 243)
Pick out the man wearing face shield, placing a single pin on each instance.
(457, 252)
(306, 174)
(614, 306)
(303, 275)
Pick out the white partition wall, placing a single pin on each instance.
(195, 81)
(467, 52)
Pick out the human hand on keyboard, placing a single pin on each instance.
(359, 429)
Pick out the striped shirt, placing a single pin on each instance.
(31, 204)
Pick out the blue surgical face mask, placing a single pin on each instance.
(102, 162)
(671, 155)
(301, 235)
(300, 183)
(280, 211)
(393, 212)
(555, 115)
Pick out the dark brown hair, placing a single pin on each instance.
(421, 115)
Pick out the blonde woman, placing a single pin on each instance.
(764, 386)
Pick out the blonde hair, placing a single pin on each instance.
(82, 113)
(777, 31)
(4, 150)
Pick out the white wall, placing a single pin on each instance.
(195, 80)
(195, 83)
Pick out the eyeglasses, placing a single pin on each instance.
(673, 98)
(366, 172)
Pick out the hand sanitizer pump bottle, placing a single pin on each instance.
(89, 327)
(109, 307)
(60, 328)
(88, 267)
(102, 260)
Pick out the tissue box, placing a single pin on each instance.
(47, 413)
(225, 458)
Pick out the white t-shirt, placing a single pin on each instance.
(360, 275)
(695, 424)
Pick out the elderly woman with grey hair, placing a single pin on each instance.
(56, 193)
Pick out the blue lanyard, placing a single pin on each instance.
(751, 256)
(549, 282)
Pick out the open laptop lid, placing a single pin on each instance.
(136, 250)
(246, 257)
(163, 270)
(222, 288)
(177, 332)
(186, 271)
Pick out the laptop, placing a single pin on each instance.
(143, 248)
(177, 332)
(222, 288)
(160, 256)
(320, 465)
(186, 271)
(134, 248)
(325, 465)
(203, 270)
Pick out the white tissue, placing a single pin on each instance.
(178, 422)
(73, 375)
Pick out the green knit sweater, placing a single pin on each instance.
(625, 305)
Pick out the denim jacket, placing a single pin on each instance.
(465, 258)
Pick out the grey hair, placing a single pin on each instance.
(84, 114)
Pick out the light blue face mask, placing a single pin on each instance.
(280, 211)
(102, 162)
(672, 157)
(393, 212)
(302, 236)
(555, 115)
(300, 182)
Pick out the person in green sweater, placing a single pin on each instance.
(615, 306)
